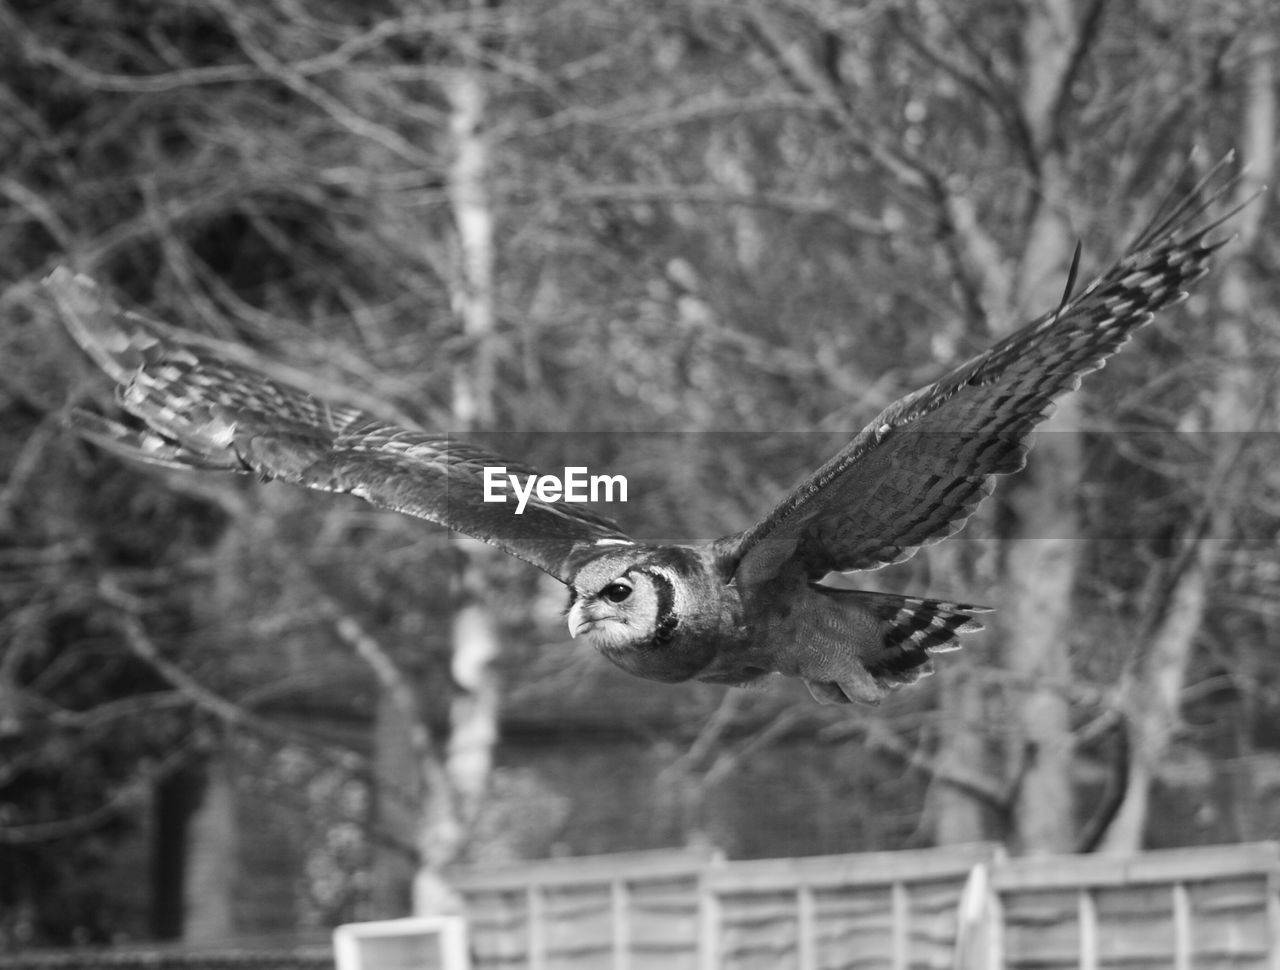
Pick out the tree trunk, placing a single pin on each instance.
(958, 815)
(1041, 562)
(473, 296)
(1151, 714)
(965, 726)
(415, 803)
(398, 791)
(1041, 548)
(473, 717)
(1153, 693)
(212, 844)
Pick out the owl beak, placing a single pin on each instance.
(579, 620)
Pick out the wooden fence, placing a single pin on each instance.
(692, 911)
(643, 911)
(960, 908)
(1182, 909)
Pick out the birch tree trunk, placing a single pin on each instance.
(475, 637)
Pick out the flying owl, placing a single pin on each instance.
(730, 611)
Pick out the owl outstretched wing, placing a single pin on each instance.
(199, 410)
(921, 468)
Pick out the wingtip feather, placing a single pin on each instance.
(90, 316)
(141, 445)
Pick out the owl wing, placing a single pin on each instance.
(920, 469)
(200, 410)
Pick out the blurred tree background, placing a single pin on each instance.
(706, 241)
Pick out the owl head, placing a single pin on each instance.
(640, 608)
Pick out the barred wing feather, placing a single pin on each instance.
(199, 411)
(921, 468)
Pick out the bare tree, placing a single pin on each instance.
(1151, 694)
(686, 219)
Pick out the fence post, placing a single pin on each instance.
(1087, 918)
(974, 932)
(901, 926)
(709, 922)
(621, 930)
(1273, 919)
(537, 927)
(806, 929)
(1182, 939)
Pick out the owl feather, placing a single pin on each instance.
(732, 611)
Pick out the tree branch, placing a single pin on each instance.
(878, 736)
(136, 790)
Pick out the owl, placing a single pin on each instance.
(731, 611)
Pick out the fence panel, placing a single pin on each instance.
(966, 907)
(963, 908)
(895, 910)
(694, 911)
(1186, 909)
(636, 911)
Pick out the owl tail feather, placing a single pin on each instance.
(904, 632)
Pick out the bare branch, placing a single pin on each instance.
(1086, 34)
(711, 734)
(232, 713)
(134, 792)
(25, 465)
(40, 209)
(728, 760)
(341, 58)
(798, 67)
(637, 114)
(985, 83)
(396, 684)
(292, 78)
(876, 735)
(721, 195)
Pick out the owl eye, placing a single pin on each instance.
(616, 592)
